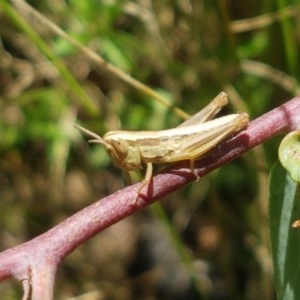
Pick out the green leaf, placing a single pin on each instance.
(289, 154)
(285, 241)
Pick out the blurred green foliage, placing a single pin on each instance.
(187, 51)
(285, 241)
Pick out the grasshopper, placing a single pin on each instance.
(190, 140)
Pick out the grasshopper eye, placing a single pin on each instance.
(121, 146)
(118, 150)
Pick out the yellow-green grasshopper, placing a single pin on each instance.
(129, 150)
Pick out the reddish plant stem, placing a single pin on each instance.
(35, 262)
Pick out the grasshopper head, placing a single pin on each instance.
(122, 154)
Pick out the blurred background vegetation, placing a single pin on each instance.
(210, 239)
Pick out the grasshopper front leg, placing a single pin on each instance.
(145, 181)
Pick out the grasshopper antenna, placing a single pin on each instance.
(96, 138)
